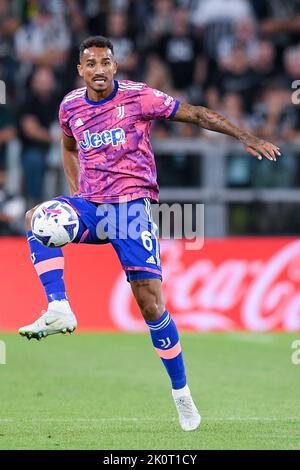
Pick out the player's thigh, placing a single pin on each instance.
(134, 236)
(89, 225)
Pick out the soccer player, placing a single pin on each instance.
(109, 162)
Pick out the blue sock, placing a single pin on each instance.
(49, 265)
(165, 340)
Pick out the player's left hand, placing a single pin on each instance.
(260, 148)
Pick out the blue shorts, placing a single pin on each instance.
(128, 226)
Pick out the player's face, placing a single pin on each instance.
(98, 68)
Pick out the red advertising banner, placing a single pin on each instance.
(231, 284)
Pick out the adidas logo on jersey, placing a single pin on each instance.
(151, 260)
(78, 122)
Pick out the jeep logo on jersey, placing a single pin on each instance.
(95, 140)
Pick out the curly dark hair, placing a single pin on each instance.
(95, 41)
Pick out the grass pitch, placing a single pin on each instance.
(110, 391)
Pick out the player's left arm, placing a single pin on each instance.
(214, 121)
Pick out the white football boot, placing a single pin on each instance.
(50, 322)
(189, 416)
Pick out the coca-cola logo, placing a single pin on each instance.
(249, 293)
(273, 298)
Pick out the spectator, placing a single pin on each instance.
(278, 18)
(274, 113)
(291, 61)
(12, 208)
(124, 45)
(279, 22)
(263, 63)
(37, 114)
(292, 73)
(44, 41)
(77, 21)
(8, 26)
(275, 118)
(180, 50)
(238, 168)
(216, 19)
(157, 74)
(234, 75)
(11, 205)
(244, 34)
(7, 132)
(160, 20)
(232, 106)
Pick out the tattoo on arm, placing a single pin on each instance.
(213, 121)
(208, 119)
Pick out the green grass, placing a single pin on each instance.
(103, 391)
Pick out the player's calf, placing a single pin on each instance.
(165, 339)
(49, 265)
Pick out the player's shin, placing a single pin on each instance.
(49, 265)
(165, 340)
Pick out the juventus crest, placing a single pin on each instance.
(121, 111)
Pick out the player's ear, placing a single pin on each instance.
(80, 71)
(116, 66)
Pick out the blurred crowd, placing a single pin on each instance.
(238, 57)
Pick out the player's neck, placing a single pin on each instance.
(100, 95)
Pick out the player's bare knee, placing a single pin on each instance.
(149, 296)
(28, 217)
(152, 311)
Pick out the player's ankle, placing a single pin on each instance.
(181, 391)
(61, 306)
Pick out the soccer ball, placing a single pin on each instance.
(54, 223)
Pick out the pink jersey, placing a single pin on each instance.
(116, 158)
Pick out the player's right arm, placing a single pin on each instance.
(69, 150)
(70, 162)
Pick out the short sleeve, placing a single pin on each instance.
(64, 121)
(157, 105)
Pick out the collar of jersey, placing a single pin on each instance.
(110, 97)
